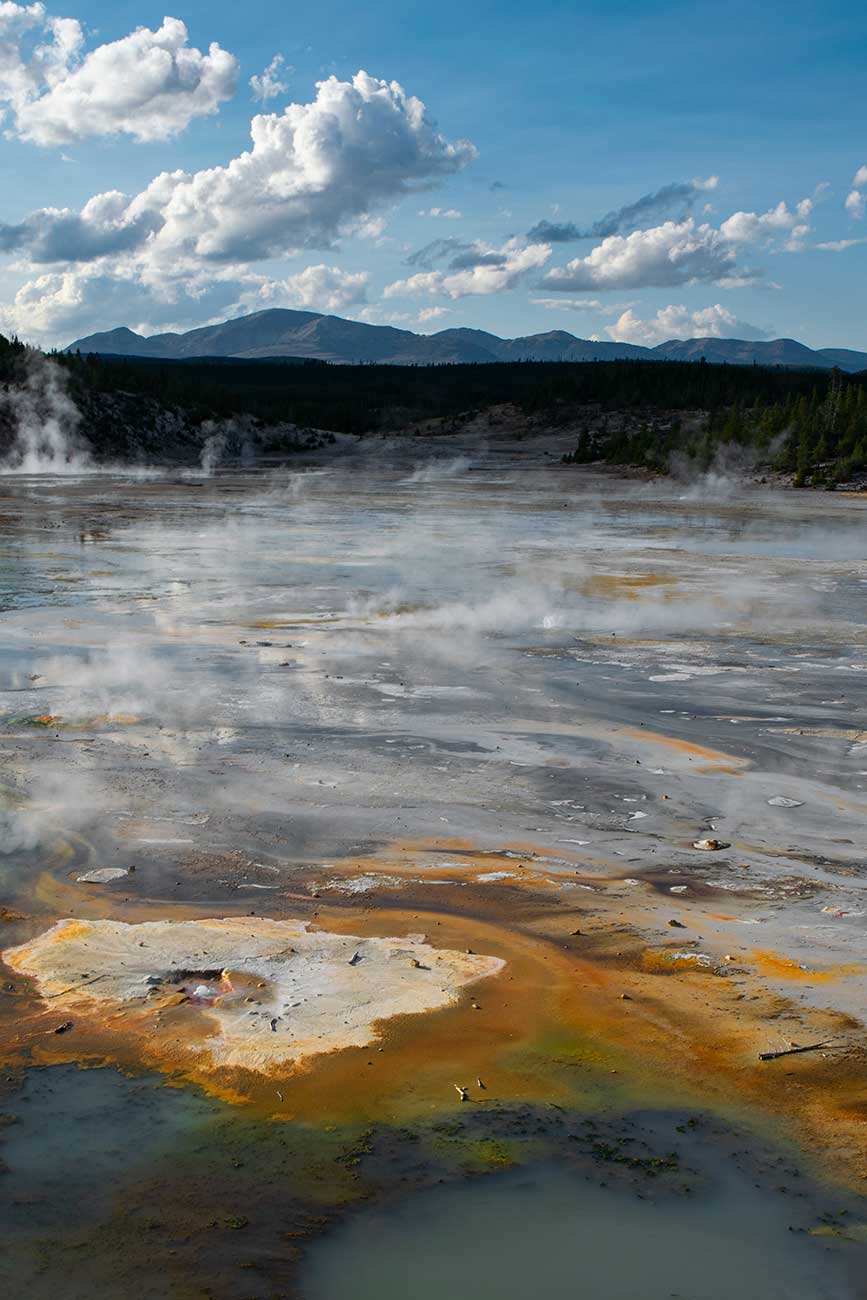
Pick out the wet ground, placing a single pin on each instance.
(479, 699)
(558, 1232)
(182, 1197)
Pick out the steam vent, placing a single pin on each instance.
(257, 994)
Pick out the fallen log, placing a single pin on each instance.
(794, 1051)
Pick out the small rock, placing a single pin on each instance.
(102, 875)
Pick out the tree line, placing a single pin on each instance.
(818, 436)
(812, 424)
(372, 398)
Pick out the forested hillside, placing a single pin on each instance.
(810, 424)
(819, 436)
(362, 399)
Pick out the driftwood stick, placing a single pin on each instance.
(794, 1051)
(83, 985)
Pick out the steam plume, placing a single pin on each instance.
(43, 422)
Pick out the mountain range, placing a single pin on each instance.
(279, 332)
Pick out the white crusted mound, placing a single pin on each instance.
(271, 992)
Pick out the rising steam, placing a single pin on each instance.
(43, 422)
(233, 438)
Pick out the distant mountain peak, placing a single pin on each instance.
(119, 332)
(286, 332)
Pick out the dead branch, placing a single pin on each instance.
(93, 979)
(794, 1051)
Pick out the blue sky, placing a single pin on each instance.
(356, 201)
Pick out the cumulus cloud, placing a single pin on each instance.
(674, 201)
(316, 288)
(268, 85)
(78, 301)
(59, 304)
(149, 85)
(855, 204)
(684, 252)
(104, 226)
(427, 314)
(779, 222)
(313, 170)
(186, 246)
(677, 321)
(480, 271)
(675, 253)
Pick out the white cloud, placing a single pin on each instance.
(105, 225)
(376, 314)
(61, 305)
(580, 304)
(313, 171)
(855, 204)
(840, 245)
(753, 228)
(684, 252)
(450, 214)
(676, 321)
(316, 288)
(367, 227)
(268, 85)
(675, 253)
(486, 271)
(188, 243)
(149, 85)
(427, 314)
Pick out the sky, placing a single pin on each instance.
(633, 170)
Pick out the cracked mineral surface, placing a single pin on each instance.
(261, 993)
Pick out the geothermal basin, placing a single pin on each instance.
(423, 876)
